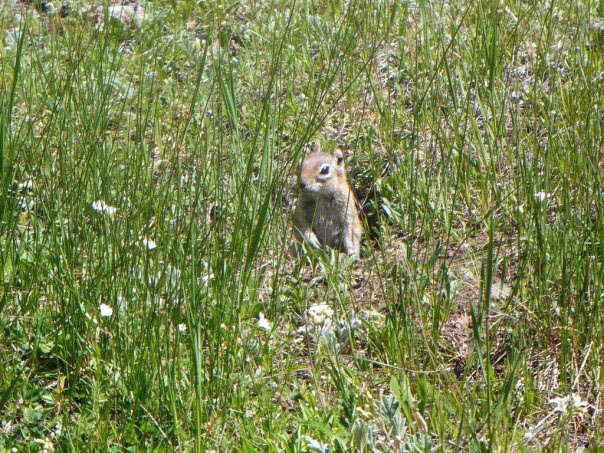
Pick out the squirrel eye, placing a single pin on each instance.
(324, 170)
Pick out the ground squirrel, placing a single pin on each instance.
(326, 213)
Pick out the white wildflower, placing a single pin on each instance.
(101, 206)
(182, 327)
(26, 185)
(105, 310)
(263, 323)
(568, 404)
(541, 196)
(26, 205)
(321, 323)
(320, 314)
(149, 244)
(560, 404)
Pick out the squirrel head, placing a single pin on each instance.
(322, 174)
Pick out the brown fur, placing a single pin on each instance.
(326, 213)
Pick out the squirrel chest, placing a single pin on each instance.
(328, 220)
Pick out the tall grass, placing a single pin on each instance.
(474, 140)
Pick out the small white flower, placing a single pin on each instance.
(263, 323)
(101, 206)
(321, 323)
(320, 313)
(560, 404)
(541, 196)
(570, 403)
(26, 205)
(149, 244)
(531, 433)
(182, 327)
(106, 310)
(25, 185)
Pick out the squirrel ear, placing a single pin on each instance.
(339, 156)
(315, 147)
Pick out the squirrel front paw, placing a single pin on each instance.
(312, 239)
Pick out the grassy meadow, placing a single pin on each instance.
(149, 299)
